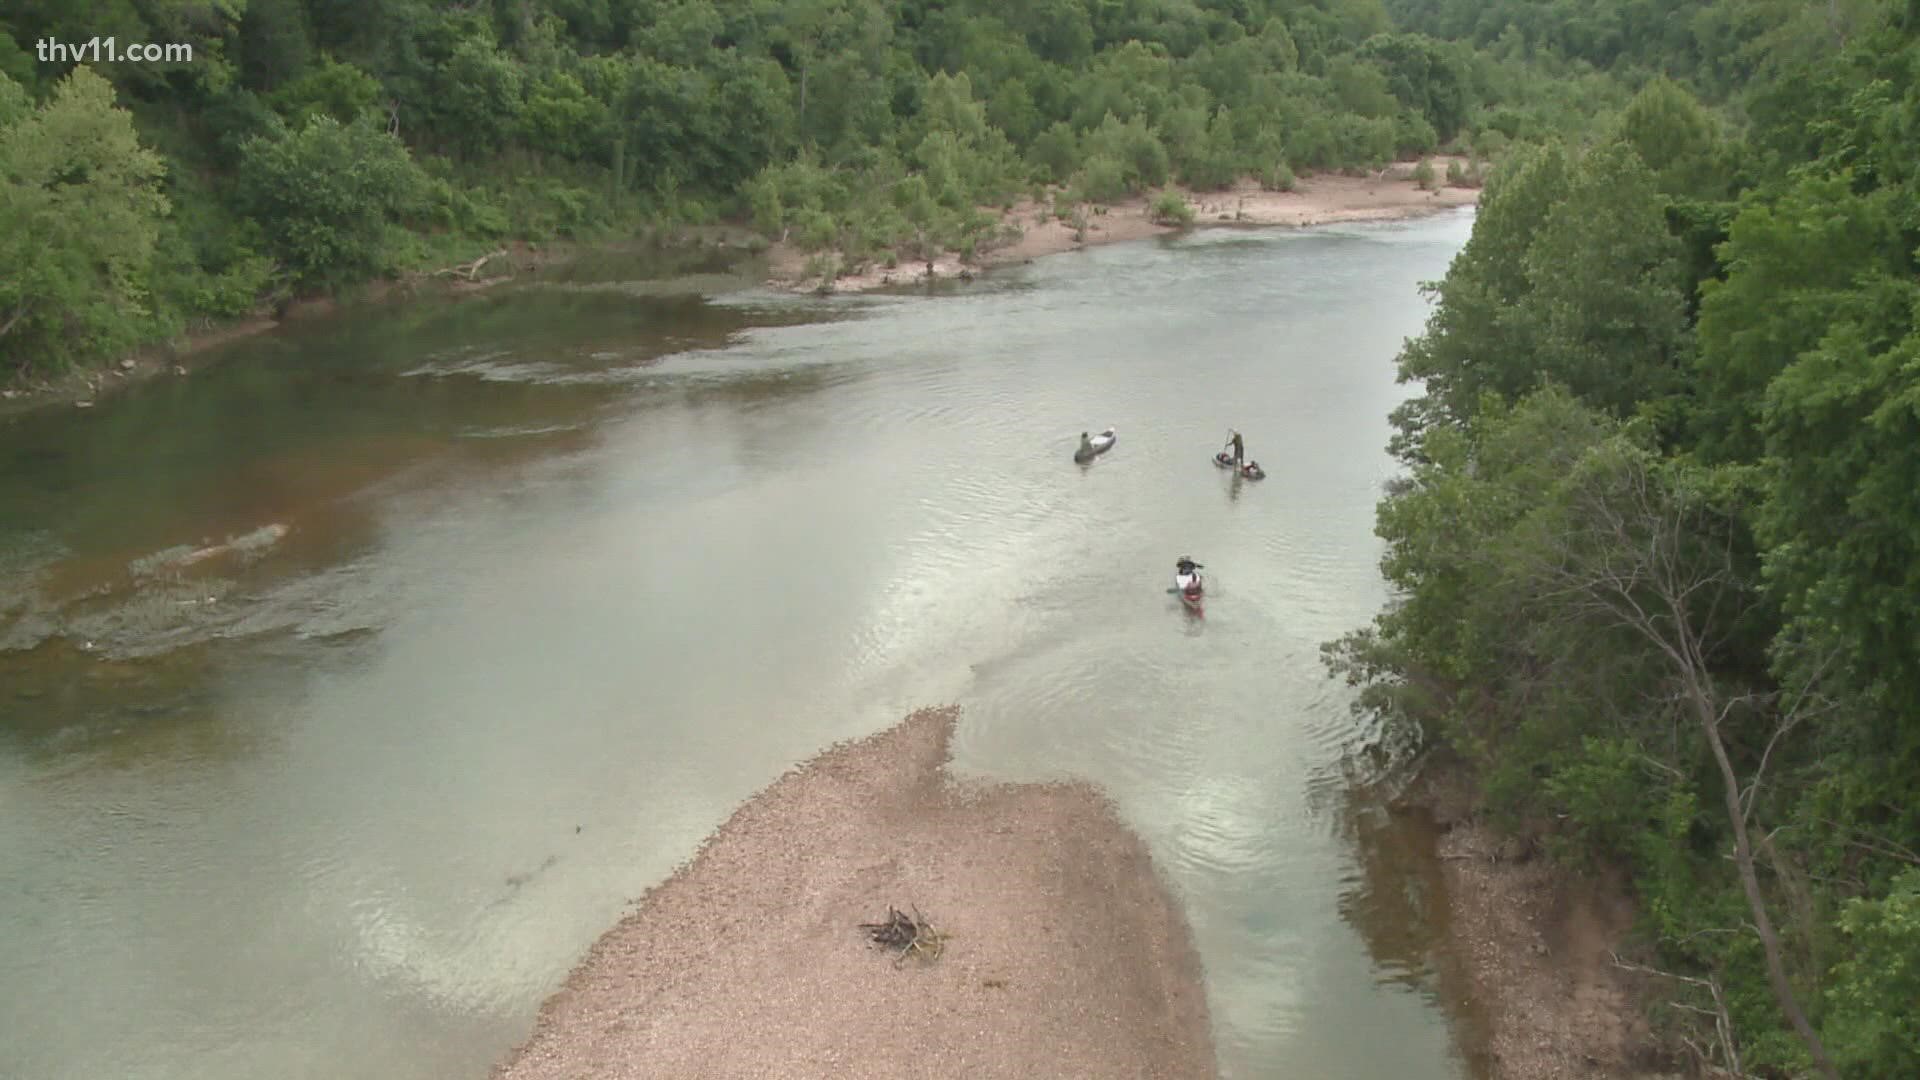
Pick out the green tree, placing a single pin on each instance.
(1361, 88)
(562, 119)
(477, 103)
(1217, 161)
(1056, 151)
(276, 43)
(1059, 31)
(1876, 991)
(1644, 546)
(80, 211)
(831, 45)
(1791, 269)
(746, 119)
(328, 198)
(1460, 655)
(334, 89)
(1134, 146)
(1677, 139)
(1606, 307)
(1570, 275)
(1478, 338)
(1842, 424)
(1424, 76)
(1012, 110)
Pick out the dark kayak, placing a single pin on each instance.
(1251, 470)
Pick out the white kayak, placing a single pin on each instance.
(1094, 447)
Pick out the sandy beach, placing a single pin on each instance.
(1066, 956)
(1327, 199)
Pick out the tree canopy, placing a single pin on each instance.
(821, 121)
(1656, 553)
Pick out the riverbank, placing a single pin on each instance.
(1031, 229)
(83, 387)
(511, 261)
(1065, 955)
(1036, 229)
(1534, 945)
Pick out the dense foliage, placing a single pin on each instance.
(313, 143)
(1658, 547)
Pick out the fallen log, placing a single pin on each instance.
(469, 270)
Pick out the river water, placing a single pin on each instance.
(352, 685)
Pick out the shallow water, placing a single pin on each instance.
(572, 569)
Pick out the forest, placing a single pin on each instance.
(1656, 548)
(312, 145)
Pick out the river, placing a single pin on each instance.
(570, 569)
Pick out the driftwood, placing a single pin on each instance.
(469, 270)
(1722, 1020)
(907, 935)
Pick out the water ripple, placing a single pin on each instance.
(1228, 827)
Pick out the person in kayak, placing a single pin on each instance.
(1086, 447)
(1234, 444)
(1186, 573)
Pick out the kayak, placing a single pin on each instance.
(1188, 585)
(1251, 470)
(1096, 446)
(1191, 590)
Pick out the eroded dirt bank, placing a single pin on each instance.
(1067, 957)
(1534, 944)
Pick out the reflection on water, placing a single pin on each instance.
(295, 432)
(351, 686)
(1395, 893)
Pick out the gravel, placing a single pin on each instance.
(1066, 957)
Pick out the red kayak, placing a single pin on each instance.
(1188, 584)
